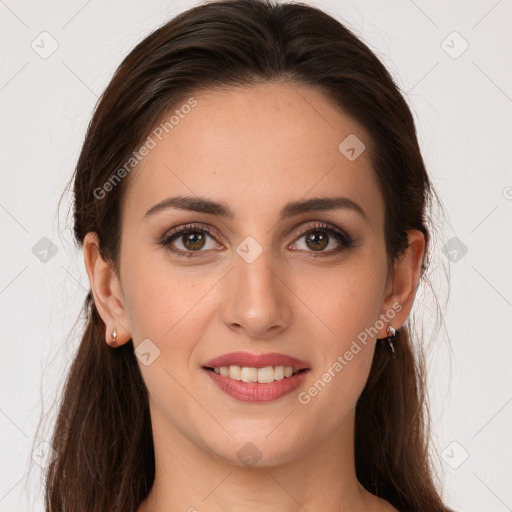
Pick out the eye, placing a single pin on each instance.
(322, 235)
(192, 238)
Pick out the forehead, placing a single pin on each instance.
(255, 148)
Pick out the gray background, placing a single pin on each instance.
(462, 103)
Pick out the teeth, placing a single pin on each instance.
(261, 375)
(279, 373)
(266, 375)
(249, 374)
(235, 372)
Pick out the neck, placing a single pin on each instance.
(193, 479)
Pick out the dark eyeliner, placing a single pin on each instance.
(175, 233)
(341, 236)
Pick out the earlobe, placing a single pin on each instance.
(106, 292)
(405, 279)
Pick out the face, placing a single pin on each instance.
(254, 274)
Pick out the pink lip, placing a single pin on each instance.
(256, 360)
(254, 391)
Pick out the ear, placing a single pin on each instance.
(107, 293)
(402, 285)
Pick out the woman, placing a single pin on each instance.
(252, 204)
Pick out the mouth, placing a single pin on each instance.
(264, 375)
(256, 377)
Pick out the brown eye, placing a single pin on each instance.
(189, 241)
(193, 240)
(322, 236)
(317, 240)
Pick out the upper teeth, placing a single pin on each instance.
(261, 375)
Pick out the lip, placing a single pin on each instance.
(256, 361)
(254, 391)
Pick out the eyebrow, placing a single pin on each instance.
(205, 205)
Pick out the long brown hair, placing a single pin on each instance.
(104, 453)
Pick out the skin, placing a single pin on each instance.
(254, 148)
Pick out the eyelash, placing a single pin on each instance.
(342, 237)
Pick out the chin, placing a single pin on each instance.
(258, 451)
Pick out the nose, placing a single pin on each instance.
(257, 298)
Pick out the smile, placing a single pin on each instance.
(244, 385)
(261, 375)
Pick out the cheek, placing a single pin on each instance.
(170, 306)
(347, 304)
(344, 300)
(159, 296)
